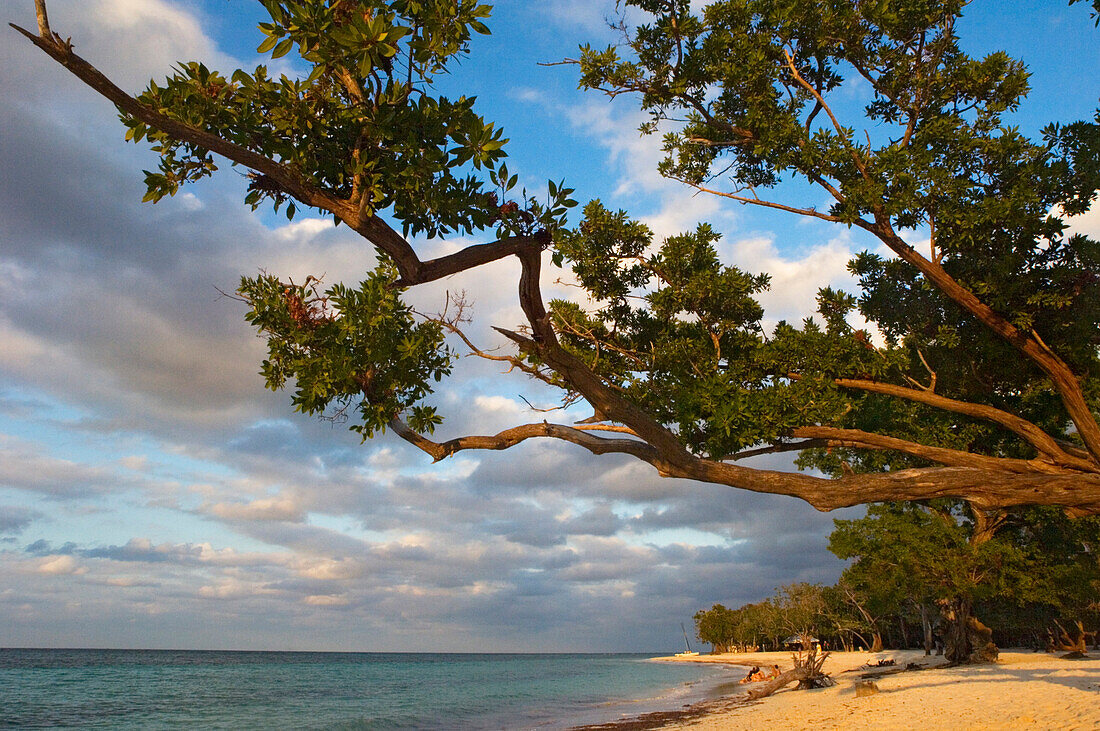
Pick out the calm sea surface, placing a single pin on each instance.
(150, 689)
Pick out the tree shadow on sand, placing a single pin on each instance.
(1068, 675)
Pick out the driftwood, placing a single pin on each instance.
(806, 672)
(1061, 640)
(813, 662)
(784, 679)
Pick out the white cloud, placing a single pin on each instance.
(60, 565)
(283, 508)
(135, 462)
(29, 466)
(1088, 223)
(133, 40)
(190, 202)
(330, 569)
(795, 281)
(230, 589)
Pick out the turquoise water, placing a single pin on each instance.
(151, 689)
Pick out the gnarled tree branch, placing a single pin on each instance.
(371, 227)
(511, 437)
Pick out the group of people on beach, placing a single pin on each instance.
(757, 675)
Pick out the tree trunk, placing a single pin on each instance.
(796, 674)
(966, 639)
(926, 623)
(876, 645)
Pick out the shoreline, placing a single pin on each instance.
(1024, 689)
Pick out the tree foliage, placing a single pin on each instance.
(987, 384)
(796, 610)
(1025, 575)
(349, 347)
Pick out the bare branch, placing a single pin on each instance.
(777, 449)
(513, 362)
(541, 410)
(418, 272)
(605, 427)
(511, 437)
(811, 212)
(931, 373)
(43, 19)
(856, 157)
(589, 336)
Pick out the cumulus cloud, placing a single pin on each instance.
(273, 508)
(60, 565)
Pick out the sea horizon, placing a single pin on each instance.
(167, 688)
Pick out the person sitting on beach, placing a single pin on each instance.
(751, 677)
(774, 673)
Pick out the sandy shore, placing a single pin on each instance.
(1023, 690)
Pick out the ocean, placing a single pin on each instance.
(169, 689)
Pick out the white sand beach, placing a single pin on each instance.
(1023, 690)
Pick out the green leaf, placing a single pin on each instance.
(283, 48)
(267, 44)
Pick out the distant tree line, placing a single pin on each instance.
(943, 577)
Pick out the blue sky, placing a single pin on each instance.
(153, 494)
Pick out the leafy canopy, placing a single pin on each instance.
(675, 329)
(986, 385)
(936, 155)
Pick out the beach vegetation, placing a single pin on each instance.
(793, 613)
(976, 377)
(933, 577)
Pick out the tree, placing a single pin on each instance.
(801, 609)
(1063, 580)
(1031, 574)
(987, 386)
(845, 618)
(1024, 569)
(717, 626)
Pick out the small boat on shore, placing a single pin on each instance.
(688, 652)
